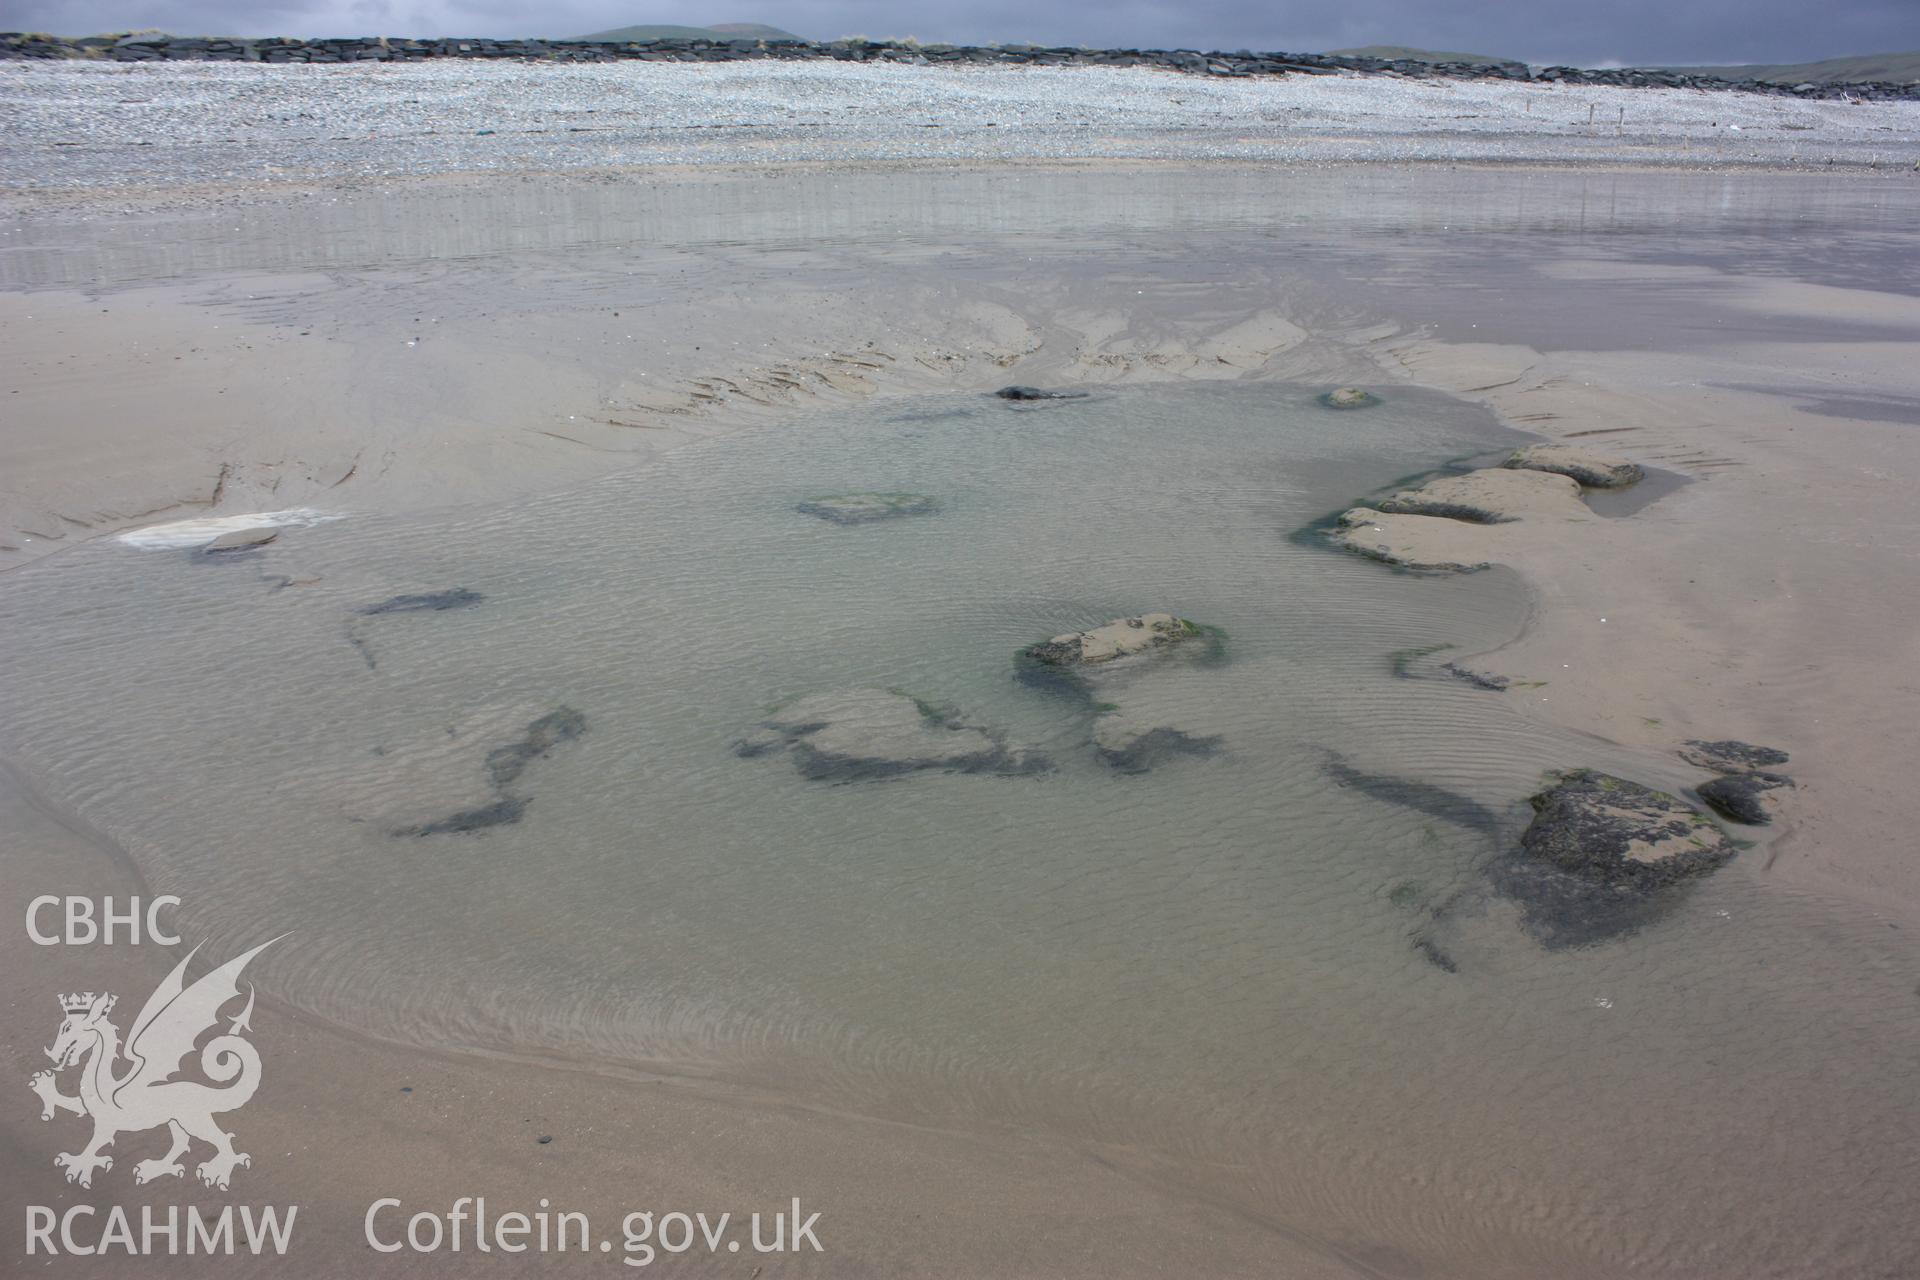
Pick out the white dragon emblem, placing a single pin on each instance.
(145, 1095)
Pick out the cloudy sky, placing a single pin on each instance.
(1584, 32)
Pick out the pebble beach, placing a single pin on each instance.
(82, 126)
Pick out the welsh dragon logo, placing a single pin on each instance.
(145, 1095)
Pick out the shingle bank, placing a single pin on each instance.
(158, 48)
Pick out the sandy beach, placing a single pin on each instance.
(197, 331)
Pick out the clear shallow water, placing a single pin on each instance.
(1213, 965)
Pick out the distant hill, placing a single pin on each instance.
(668, 31)
(1901, 68)
(651, 31)
(752, 31)
(1401, 53)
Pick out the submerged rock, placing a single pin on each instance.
(1134, 729)
(1745, 797)
(1618, 834)
(1729, 756)
(1490, 496)
(503, 767)
(1595, 470)
(1118, 639)
(1035, 393)
(427, 602)
(1600, 858)
(864, 508)
(1430, 951)
(880, 733)
(1134, 745)
(432, 601)
(502, 812)
(1349, 398)
(1455, 807)
(506, 764)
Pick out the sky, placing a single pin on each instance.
(1573, 32)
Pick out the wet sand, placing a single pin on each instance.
(386, 367)
(335, 1132)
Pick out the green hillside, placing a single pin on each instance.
(668, 31)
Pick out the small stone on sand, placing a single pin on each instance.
(1036, 393)
(240, 539)
(1349, 398)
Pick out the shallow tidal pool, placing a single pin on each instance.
(1279, 958)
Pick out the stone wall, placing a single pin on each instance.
(156, 48)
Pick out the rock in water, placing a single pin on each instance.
(456, 598)
(1379, 536)
(1425, 528)
(503, 767)
(1729, 756)
(1035, 393)
(1745, 797)
(1621, 835)
(864, 508)
(1490, 496)
(1595, 470)
(1133, 729)
(881, 733)
(1478, 679)
(1349, 398)
(1744, 791)
(429, 602)
(501, 813)
(506, 764)
(1117, 639)
(1412, 793)
(1133, 744)
(241, 539)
